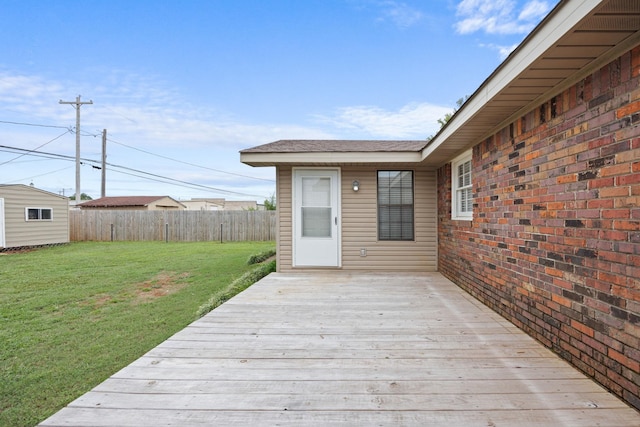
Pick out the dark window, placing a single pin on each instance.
(39, 214)
(33, 214)
(395, 205)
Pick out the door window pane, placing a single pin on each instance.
(316, 191)
(316, 222)
(316, 207)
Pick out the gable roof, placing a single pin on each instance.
(575, 39)
(123, 201)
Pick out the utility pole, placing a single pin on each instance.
(77, 104)
(103, 188)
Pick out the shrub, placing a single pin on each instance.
(261, 257)
(237, 286)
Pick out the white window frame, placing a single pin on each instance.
(39, 209)
(456, 190)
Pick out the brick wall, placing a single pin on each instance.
(554, 245)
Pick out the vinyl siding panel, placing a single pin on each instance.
(284, 221)
(360, 224)
(359, 229)
(19, 232)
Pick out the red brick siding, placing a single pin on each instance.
(554, 245)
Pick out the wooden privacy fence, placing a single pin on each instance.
(172, 226)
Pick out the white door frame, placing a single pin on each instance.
(310, 251)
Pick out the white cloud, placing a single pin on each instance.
(499, 16)
(413, 121)
(534, 11)
(400, 14)
(396, 12)
(503, 51)
(139, 110)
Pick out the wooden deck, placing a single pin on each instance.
(321, 349)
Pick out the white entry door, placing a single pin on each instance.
(2, 242)
(316, 241)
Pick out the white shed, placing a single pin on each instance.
(32, 217)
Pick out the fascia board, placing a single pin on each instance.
(264, 159)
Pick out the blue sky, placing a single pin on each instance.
(182, 86)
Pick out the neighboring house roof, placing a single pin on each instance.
(575, 39)
(319, 151)
(124, 201)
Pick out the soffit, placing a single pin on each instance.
(551, 59)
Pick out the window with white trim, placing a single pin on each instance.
(462, 187)
(38, 214)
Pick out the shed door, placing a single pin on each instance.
(2, 242)
(316, 239)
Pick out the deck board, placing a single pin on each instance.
(321, 349)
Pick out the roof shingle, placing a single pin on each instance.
(337, 146)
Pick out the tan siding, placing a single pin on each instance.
(359, 223)
(19, 232)
(284, 242)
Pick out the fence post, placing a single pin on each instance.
(166, 232)
(113, 232)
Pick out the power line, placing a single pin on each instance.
(34, 150)
(35, 125)
(189, 164)
(42, 154)
(183, 182)
(180, 183)
(42, 174)
(149, 176)
(85, 133)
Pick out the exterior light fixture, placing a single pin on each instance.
(356, 185)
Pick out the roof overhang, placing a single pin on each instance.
(333, 152)
(577, 38)
(328, 158)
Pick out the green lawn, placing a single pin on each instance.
(70, 316)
